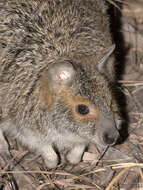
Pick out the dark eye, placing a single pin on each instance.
(82, 109)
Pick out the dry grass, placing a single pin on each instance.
(112, 169)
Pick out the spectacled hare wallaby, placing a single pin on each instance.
(56, 67)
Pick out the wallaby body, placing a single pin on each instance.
(55, 74)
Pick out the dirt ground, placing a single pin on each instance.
(112, 168)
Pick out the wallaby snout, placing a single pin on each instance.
(107, 132)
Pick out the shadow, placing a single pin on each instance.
(120, 55)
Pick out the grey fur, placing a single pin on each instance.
(34, 36)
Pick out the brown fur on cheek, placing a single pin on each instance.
(47, 97)
(72, 102)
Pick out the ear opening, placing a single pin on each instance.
(104, 61)
(61, 74)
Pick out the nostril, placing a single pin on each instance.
(108, 138)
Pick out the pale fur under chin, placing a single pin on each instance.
(44, 144)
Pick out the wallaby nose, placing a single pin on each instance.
(110, 138)
(107, 132)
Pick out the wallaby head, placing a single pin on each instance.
(82, 99)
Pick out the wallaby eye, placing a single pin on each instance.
(82, 109)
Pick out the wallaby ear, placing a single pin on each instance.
(61, 74)
(104, 61)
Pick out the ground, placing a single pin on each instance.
(114, 168)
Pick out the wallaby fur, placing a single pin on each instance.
(56, 67)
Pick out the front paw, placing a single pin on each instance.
(51, 163)
(75, 155)
(50, 157)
